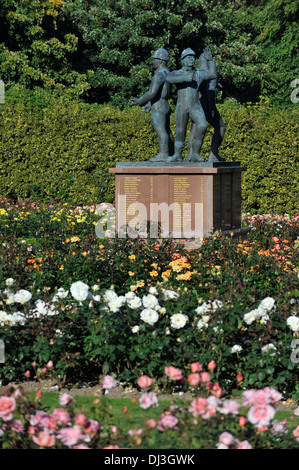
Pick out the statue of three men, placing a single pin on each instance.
(195, 100)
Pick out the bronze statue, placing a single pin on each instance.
(188, 81)
(207, 93)
(155, 100)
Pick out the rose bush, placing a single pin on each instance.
(205, 422)
(129, 307)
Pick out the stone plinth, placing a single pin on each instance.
(187, 200)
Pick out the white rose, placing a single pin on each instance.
(153, 290)
(9, 282)
(79, 290)
(95, 287)
(170, 295)
(251, 316)
(150, 316)
(204, 308)
(236, 348)
(293, 323)
(116, 303)
(18, 318)
(167, 331)
(149, 301)
(22, 296)
(268, 347)
(216, 304)
(162, 310)
(135, 329)
(267, 303)
(178, 320)
(10, 299)
(42, 307)
(201, 325)
(130, 295)
(61, 293)
(205, 318)
(97, 298)
(3, 317)
(109, 295)
(135, 302)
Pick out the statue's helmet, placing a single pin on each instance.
(161, 54)
(186, 52)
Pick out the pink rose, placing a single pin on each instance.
(173, 373)
(17, 425)
(216, 390)
(296, 433)
(205, 377)
(148, 400)
(212, 365)
(92, 426)
(80, 419)
(167, 421)
(243, 445)
(35, 420)
(151, 423)
(61, 416)
(193, 379)
(65, 399)
(7, 406)
(296, 412)
(261, 415)
(261, 397)
(226, 438)
(70, 436)
(196, 367)
(44, 439)
(198, 405)
(230, 407)
(49, 364)
(242, 421)
(109, 382)
(144, 381)
(274, 395)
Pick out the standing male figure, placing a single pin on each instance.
(188, 81)
(207, 91)
(156, 100)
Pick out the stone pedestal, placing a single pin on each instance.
(185, 199)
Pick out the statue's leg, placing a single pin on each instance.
(181, 121)
(190, 140)
(219, 130)
(159, 123)
(200, 126)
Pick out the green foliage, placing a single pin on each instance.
(276, 34)
(38, 48)
(120, 37)
(53, 147)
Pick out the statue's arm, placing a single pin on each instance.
(179, 77)
(207, 66)
(158, 80)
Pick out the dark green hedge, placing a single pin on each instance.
(65, 148)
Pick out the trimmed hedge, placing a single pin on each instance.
(65, 148)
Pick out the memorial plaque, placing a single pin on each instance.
(186, 201)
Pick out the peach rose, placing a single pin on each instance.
(144, 381)
(44, 439)
(7, 406)
(196, 367)
(193, 379)
(173, 373)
